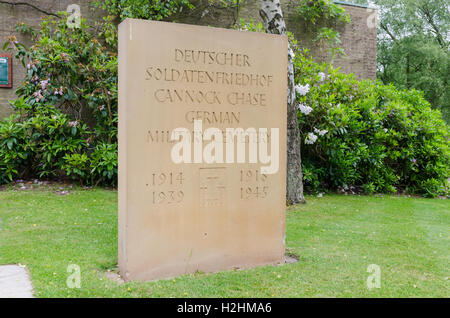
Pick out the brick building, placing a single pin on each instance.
(358, 38)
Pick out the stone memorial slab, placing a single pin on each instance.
(202, 149)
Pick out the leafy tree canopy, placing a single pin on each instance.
(413, 42)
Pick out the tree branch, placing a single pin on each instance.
(385, 28)
(28, 5)
(429, 17)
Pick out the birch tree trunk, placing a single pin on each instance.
(274, 23)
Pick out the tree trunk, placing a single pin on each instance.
(408, 72)
(274, 23)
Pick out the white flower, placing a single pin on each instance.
(321, 76)
(320, 132)
(73, 123)
(305, 109)
(310, 139)
(302, 90)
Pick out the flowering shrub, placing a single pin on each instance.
(66, 121)
(363, 135)
(36, 141)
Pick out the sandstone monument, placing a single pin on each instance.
(202, 149)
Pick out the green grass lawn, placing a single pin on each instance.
(335, 237)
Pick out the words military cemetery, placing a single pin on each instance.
(202, 149)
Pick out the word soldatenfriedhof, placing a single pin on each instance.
(202, 149)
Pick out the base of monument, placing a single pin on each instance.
(118, 277)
